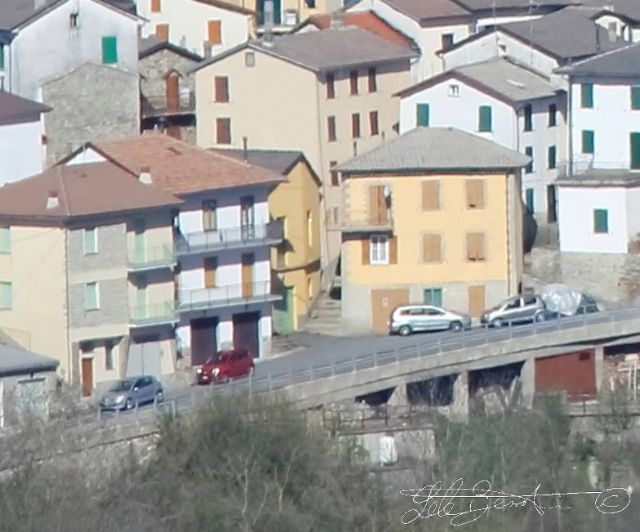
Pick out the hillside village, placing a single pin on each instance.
(181, 177)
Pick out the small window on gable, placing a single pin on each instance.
(74, 20)
(454, 90)
(249, 59)
(109, 50)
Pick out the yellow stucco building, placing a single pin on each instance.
(433, 216)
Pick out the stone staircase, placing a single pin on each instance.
(326, 315)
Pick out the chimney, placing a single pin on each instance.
(39, 4)
(268, 23)
(145, 175)
(245, 152)
(52, 200)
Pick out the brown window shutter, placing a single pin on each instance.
(481, 254)
(331, 128)
(162, 32)
(430, 195)
(365, 250)
(355, 125)
(373, 86)
(215, 31)
(475, 246)
(221, 89)
(373, 123)
(353, 82)
(155, 6)
(475, 193)
(393, 250)
(432, 248)
(476, 300)
(223, 131)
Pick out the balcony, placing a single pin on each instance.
(584, 170)
(226, 296)
(366, 222)
(233, 238)
(153, 314)
(156, 106)
(151, 258)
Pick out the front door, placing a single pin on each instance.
(247, 275)
(87, 376)
(382, 304)
(245, 332)
(476, 300)
(172, 90)
(203, 340)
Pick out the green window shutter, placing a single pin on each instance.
(586, 95)
(588, 141)
(530, 200)
(90, 241)
(529, 152)
(109, 50)
(635, 151)
(600, 221)
(433, 296)
(635, 98)
(484, 118)
(422, 110)
(6, 296)
(551, 157)
(91, 298)
(528, 118)
(5, 240)
(1, 56)
(553, 109)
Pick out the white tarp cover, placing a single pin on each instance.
(561, 298)
(388, 452)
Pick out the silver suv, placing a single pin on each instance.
(417, 318)
(518, 309)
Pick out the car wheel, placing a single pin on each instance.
(455, 326)
(405, 330)
(497, 322)
(129, 404)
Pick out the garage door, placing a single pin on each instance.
(382, 304)
(145, 358)
(203, 340)
(245, 332)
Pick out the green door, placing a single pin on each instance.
(635, 151)
(283, 311)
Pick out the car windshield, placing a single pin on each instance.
(122, 386)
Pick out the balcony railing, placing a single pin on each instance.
(357, 221)
(235, 237)
(585, 164)
(151, 258)
(153, 314)
(226, 296)
(159, 106)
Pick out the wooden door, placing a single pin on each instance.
(378, 212)
(247, 275)
(210, 267)
(87, 376)
(172, 90)
(245, 332)
(382, 304)
(203, 340)
(476, 300)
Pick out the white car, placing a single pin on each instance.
(417, 318)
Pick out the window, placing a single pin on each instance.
(600, 221)
(1, 56)
(74, 19)
(430, 195)
(90, 241)
(484, 118)
(373, 123)
(221, 89)
(586, 95)
(475, 247)
(309, 228)
(215, 31)
(530, 200)
(155, 6)
(635, 98)
(355, 125)
(588, 141)
(249, 59)
(91, 296)
(109, 357)
(475, 193)
(373, 83)
(109, 50)
(431, 248)
(335, 178)
(247, 211)
(528, 118)
(6, 296)
(379, 249)
(331, 86)
(551, 204)
(529, 153)
(551, 157)
(553, 110)
(353, 81)
(634, 140)
(422, 115)
(223, 130)
(446, 39)
(331, 128)
(5, 240)
(209, 215)
(433, 296)
(162, 32)
(210, 272)
(513, 304)
(310, 3)
(454, 90)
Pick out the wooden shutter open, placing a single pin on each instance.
(365, 250)
(215, 31)
(432, 248)
(475, 193)
(430, 195)
(393, 250)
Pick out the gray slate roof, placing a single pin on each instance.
(16, 110)
(279, 161)
(623, 62)
(341, 47)
(625, 8)
(15, 360)
(477, 5)
(151, 44)
(435, 149)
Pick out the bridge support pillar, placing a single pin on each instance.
(460, 404)
(528, 382)
(599, 367)
(399, 396)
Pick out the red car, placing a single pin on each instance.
(224, 366)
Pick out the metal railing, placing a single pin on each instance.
(153, 314)
(222, 296)
(584, 164)
(234, 237)
(158, 105)
(151, 257)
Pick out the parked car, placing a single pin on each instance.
(417, 318)
(587, 306)
(132, 391)
(517, 309)
(224, 366)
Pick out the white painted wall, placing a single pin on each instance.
(633, 212)
(616, 25)
(21, 151)
(86, 157)
(48, 47)
(576, 205)
(188, 24)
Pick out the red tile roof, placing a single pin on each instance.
(182, 168)
(366, 20)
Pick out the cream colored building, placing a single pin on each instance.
(434, 216)
(325, 93)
